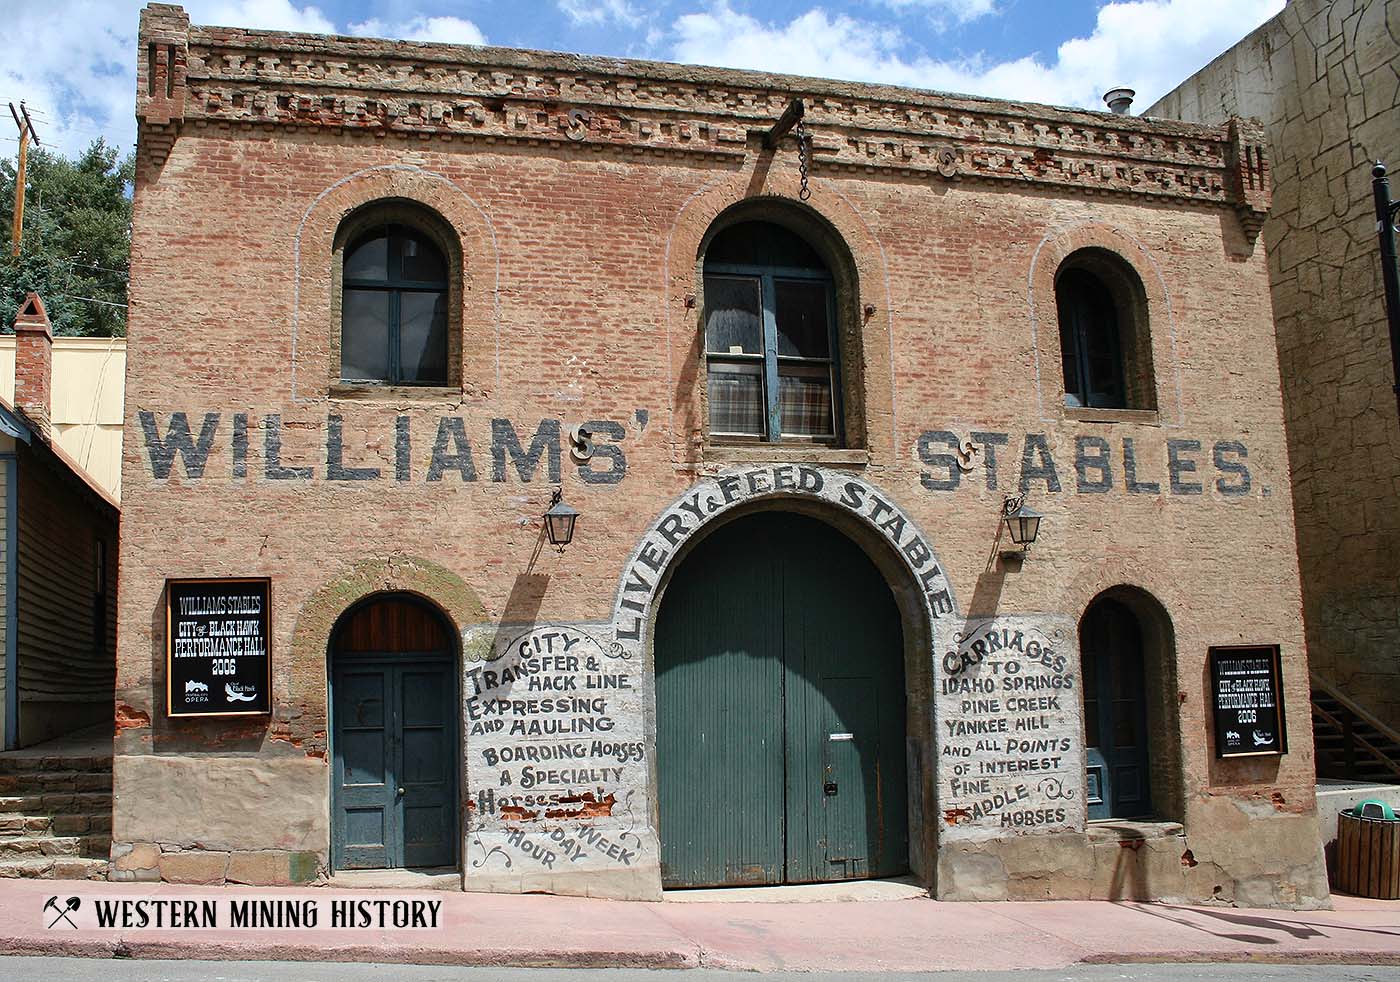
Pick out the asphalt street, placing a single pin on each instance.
(15, 969)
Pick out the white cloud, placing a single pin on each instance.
(960, 10)
(1149, 45)
(444, 30)
(595, 12)
(81, 83)
(84, 84)
(266, 15)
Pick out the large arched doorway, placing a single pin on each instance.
(394, 736)
(780, 707)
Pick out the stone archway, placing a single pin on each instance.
(890, 538)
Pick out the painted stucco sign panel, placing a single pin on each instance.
(1009, 729)
(556, 762)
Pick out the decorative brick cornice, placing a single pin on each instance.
(226, 76)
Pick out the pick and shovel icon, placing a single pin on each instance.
(69, 905)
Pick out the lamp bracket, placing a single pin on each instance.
(1011, 504)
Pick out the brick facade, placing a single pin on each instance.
(582, 194)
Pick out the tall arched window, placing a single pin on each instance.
(770, 337)
(1104, 345)
(394, 308)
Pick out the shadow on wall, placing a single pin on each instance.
(986, 595)
(1129, 880)
(522, 606)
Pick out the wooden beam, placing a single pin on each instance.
(18, 228)
(786, 121)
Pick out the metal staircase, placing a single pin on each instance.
(1350, 743)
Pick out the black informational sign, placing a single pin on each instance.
(1246, 685)
(216, 647)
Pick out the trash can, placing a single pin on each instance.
(1368, 851)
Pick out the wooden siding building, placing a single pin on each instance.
(59, 547)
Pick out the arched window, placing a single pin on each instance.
(1104, 346)
(394, 307)
(770, 337)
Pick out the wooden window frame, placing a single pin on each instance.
(768, 277)
(394, 233)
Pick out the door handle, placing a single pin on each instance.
(400, 792)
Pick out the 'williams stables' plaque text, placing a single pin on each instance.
(217, 635)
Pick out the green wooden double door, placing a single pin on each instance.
(394, 739)
(780, 707)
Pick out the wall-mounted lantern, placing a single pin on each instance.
(559, 521)
(1022, 521)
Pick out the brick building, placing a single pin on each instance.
(1320, 75)
(386, 297)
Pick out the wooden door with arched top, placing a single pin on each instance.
(1115, 711)
(394, 737)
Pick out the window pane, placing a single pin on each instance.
(364, 336)
(801, 316)
(1105, 381)
(762, 244)
(368, 259)
(423, 337)
(422, 262)
(733, 324)
(736, 399)
(804, 401)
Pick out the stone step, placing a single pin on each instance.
(57, 803)
(28, 764)
(91, 846)
(30, 825)
(53, 868)
(47, 782)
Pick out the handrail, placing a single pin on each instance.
(1379, 755)
(1321, 683)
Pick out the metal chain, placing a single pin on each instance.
(804, 157)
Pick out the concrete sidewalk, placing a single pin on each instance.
(892, 935)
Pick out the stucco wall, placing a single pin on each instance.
(1322, 77)
(85, 407)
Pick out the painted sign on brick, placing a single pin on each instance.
(1090, 464)
(505, 452)
(556, 760)
(1011, 755)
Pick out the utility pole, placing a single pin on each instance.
(26, 130)
(1390, 272)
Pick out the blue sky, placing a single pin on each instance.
(75, 60)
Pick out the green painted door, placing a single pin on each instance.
(394, 760)
(780, 710)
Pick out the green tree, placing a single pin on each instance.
(76, 242)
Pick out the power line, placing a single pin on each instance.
(105, 303)
(106, 269)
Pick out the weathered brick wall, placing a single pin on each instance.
(1321, 76)
(578, 275)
